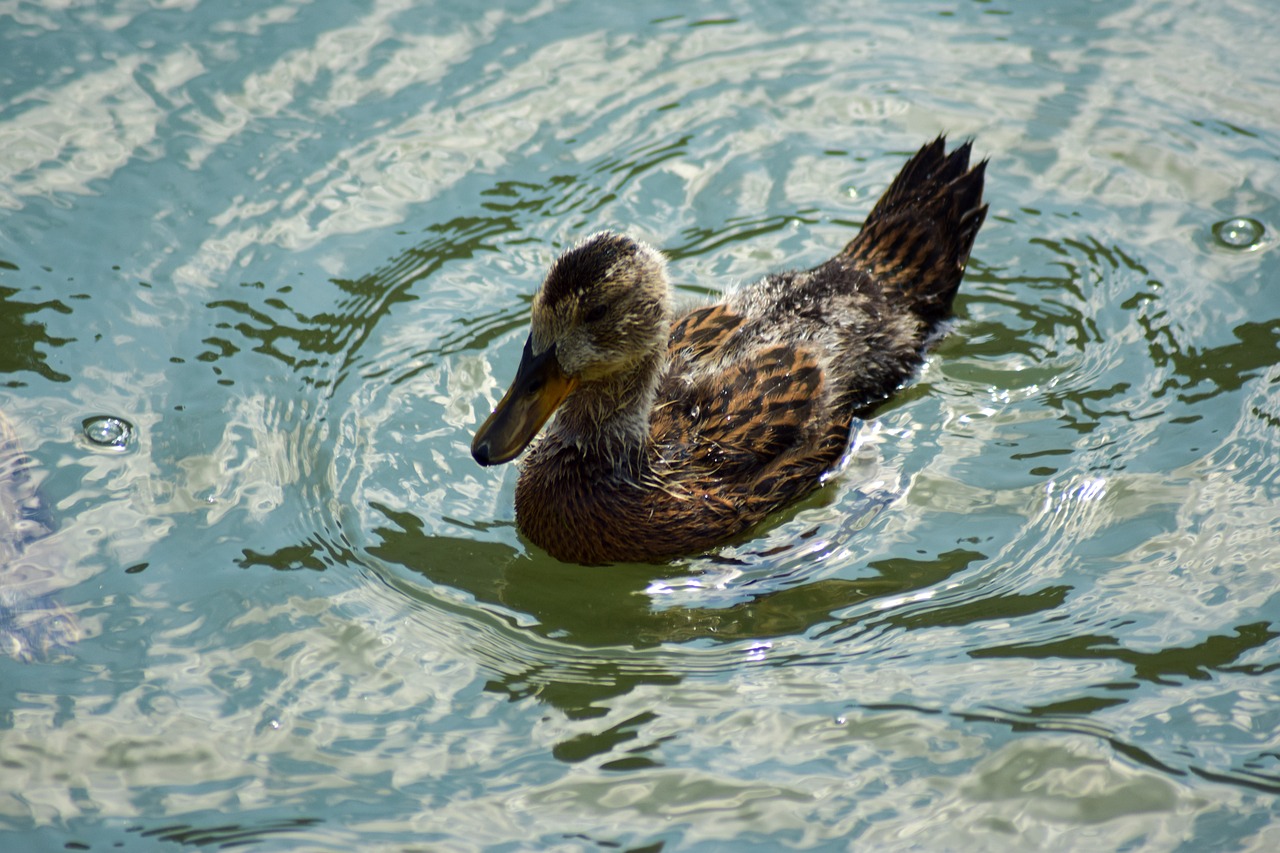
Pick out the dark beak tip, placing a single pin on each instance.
(480, 452)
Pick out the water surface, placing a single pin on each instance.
(291, 246)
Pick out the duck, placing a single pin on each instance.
(678, 428)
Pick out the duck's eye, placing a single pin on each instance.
(596, 313)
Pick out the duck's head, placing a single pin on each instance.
(602, 311)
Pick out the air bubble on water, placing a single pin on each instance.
(1239, 233)
(107, 431)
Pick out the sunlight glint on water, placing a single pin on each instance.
(291, 253)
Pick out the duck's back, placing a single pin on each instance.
(761, 390)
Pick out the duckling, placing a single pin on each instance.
(677, 429)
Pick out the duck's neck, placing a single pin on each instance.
(609, 418)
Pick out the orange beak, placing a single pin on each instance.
(538, 390)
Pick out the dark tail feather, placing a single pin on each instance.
(917, 238)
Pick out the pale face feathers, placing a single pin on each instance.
(604, 305)
(600, 323)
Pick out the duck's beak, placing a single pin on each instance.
(539, 388)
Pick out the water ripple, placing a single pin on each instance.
(295, 249)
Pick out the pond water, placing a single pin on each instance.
(264, 266)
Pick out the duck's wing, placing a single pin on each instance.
(741, 413)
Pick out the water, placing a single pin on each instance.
(292, 247)
(108, 432)
(1239, 233)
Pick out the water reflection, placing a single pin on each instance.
(1241, 233)
(1045, 612)
(33, 624)
(236, 834)
(1166, 666)
(325, 346)
(26, 337)
(608, 608)
(581, 639)
(108, 432)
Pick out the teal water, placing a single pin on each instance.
(293, 246)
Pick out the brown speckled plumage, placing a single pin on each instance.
(676, 431)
